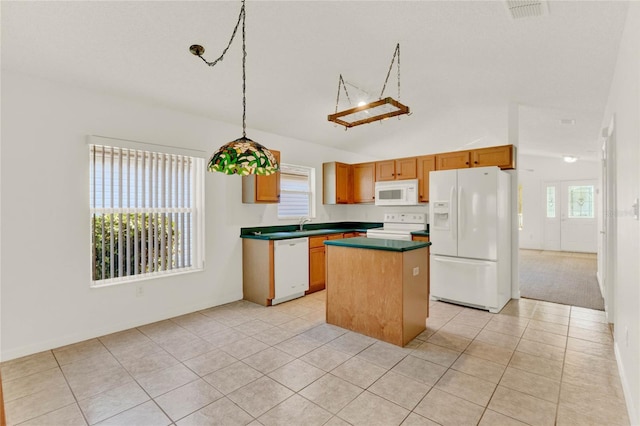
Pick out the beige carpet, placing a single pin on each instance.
(560, 277)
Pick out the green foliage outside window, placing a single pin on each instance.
(133, 235)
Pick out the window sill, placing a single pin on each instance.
(138, 278)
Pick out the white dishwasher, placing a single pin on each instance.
(291, 269)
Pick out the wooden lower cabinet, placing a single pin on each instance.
(378, 293)
(317, 272)
(316, 263)
(316, 269)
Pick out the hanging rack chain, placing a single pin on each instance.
(235, 30)
(396, 52)
(341, 84)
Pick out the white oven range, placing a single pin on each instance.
(399, 226)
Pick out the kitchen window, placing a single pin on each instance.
(296, 191)
(146, 213)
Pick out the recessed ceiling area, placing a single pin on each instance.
(463, 63)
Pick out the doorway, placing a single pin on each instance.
(570, 221)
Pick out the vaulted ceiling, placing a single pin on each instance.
(462, 64)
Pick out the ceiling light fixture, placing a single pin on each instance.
(241, 156)
(569, 159)
(372, 111)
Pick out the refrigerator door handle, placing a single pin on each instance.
(460, 213)
(451, 227)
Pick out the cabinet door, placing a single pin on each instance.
(419, 238)
(364, 177)
(453, 160)
(316, 269)
(349, 235)
(343, 183)
(317, 241)
(385, 170)
(268, 187)
(335, 237)
(406, 168)
(501, 156)
(426, 164)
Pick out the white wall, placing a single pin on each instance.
(44, 271)
(624, 105)
(533, 172)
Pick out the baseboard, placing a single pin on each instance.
(69, 339)
(632, 409)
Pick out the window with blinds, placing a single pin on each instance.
(296, 191)
(146, 214)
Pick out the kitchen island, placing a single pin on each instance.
(378, 287)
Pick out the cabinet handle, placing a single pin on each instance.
(475, 162)
(399, 174)
(466, 162)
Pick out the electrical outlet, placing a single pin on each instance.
(139, 291)
(416, 271)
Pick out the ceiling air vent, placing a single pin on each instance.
(526, 8)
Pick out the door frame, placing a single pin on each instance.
(607, 276)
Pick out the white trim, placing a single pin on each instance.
(632, 410)
(114, 328)
(144, 146)
(143, 277)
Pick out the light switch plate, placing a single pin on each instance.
(416, 271)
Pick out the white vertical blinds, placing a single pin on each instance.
(146, 213)
(295, 191)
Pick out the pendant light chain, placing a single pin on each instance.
(243, 14)
(233, 35)
(395, 53)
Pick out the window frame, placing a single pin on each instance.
(286, 168)
(195, 249)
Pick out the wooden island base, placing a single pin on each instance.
(378, 293)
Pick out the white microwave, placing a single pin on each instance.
(397, 193)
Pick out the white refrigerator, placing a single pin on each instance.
(470, 232)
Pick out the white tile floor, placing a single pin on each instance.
(535, 363)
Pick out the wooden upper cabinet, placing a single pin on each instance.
(364, 181)
(403, 168)
(453, 160)
(262, 189)
(385, 170)
(501, 156)
(406, 168)
(337, 179)
(343, 183)
(426, 164)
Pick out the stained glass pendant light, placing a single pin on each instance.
(381, 109)
(241, 156)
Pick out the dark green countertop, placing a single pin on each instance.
(421, 233)
(283, 232)
(378, 244)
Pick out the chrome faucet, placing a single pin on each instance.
(303, 220)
